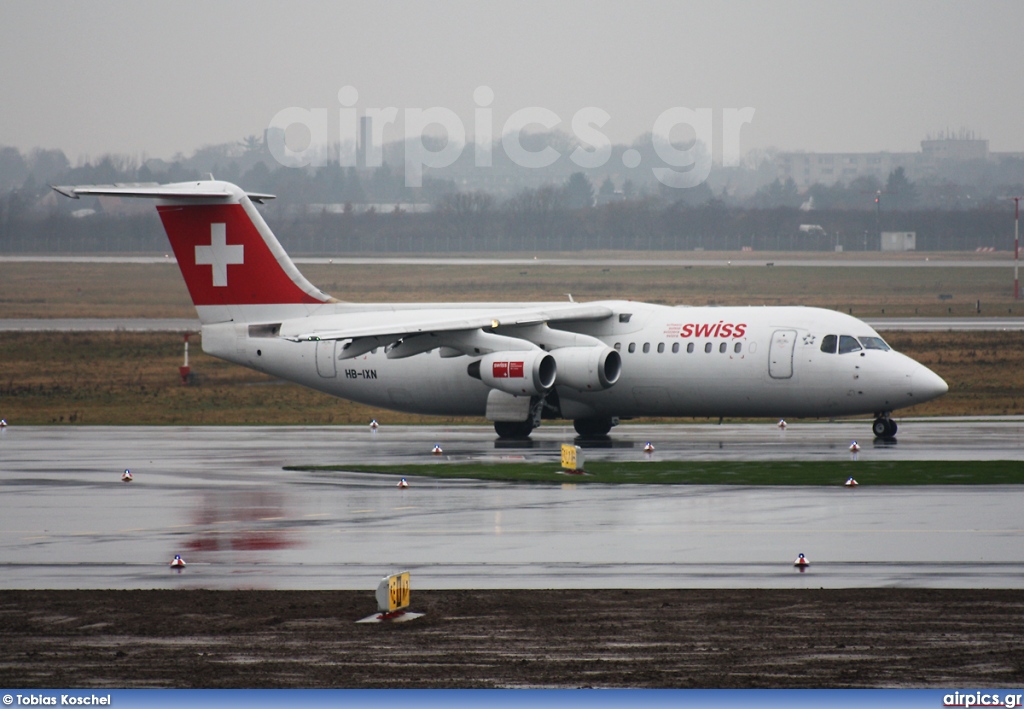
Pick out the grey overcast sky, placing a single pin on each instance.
(153, 79)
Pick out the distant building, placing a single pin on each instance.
(899, 241)
(963, 147)
(364, 207)
(806, 169)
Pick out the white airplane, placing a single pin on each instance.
(518, 363)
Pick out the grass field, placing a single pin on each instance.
(73, 290)
(132, 378)
(930, 472)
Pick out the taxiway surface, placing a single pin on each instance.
(219, 497)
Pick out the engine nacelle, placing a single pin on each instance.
(523, 373)
(587, 368)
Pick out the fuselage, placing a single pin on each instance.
(676, 361)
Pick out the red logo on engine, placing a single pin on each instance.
(507, 370)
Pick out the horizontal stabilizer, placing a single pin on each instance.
(198, 190)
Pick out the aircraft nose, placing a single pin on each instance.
(927, 385)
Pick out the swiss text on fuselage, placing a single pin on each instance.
(718, 329)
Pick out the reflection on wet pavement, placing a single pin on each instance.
(219, 497)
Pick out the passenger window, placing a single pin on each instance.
(647, 347)
(828, 344)
(632, 347)
(661, 347)
(618, 347)
(738, 347)
(848, 344)
(675, 348)
(723, 347)
(707, 348)
(689, 348)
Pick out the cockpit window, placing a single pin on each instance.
(874, 343)
(828, 344)
(848, 344)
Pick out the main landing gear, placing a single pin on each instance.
(514, 430)
(597, 427)
(884, 427)
(590, 428)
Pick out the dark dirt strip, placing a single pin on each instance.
(589, 638)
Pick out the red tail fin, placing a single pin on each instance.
(224, 258)
(228, 255)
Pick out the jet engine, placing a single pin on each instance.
(587, 368)
(522, 373)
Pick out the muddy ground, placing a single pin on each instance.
(602, 638)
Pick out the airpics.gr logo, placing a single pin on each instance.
(681, 168)
(718, 329)
(981, 699)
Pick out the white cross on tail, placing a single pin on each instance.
(219, 255)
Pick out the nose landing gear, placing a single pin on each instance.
(884, 427)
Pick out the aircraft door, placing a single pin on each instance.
(780, 354)
(326, 362)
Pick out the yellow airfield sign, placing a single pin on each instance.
(572, 457)
(393, 593)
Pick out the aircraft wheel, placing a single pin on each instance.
(884, 427)
(592, 428)
(879, 428)
(513, 429)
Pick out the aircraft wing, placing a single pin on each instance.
(399, 329)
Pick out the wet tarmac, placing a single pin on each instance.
(219, 497)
